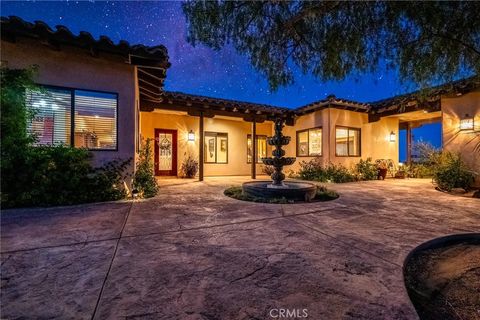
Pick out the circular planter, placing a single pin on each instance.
(441, 276)
(299, 191)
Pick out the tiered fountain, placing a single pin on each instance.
(277, 188)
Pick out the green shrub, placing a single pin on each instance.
(366, 170)
(313, 170)
(323, 194)
(109, 181)
(268, 170)
(144, 179)
(15, 114)
(424, 165)
(310, 170)
(451, 172)
(420, 170)
(46, 175)
(61, 175)
(338, 173)
(447, 169)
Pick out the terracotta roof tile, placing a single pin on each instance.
(12, 27)
(240, 105)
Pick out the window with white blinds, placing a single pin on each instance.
(95, 120)
(52, 116)
(94, 124)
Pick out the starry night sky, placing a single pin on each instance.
(200, 70)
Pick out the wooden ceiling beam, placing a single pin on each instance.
(150, 96)
(151, 86)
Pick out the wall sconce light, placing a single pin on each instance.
(191, 136)
(393, 137)
(466, 123)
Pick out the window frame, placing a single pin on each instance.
(214, 134)
(249, 135)
(348, 155)
(308, 142)
(72, 111)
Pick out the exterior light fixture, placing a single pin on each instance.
(466, 123)
(135, 193)
(393, 137)
(191, 136)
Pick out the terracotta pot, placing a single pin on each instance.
(382, 174)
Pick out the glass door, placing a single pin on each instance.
(165, 152)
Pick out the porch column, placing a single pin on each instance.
(254, 149)
(200, 147)
(409, 143)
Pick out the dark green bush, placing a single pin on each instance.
(61, 175)
(451, 172)
(420, 170)
(447, 169)
(144, 179)
(338, 173)
(313, 170)
(310, 170)
(424, 165)
(46, 175)
(366, 170)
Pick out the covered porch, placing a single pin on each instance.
(410, 121)
(411, 114)
(215, 132)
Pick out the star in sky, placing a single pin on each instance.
(198, 70)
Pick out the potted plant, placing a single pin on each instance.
(382, 170)
(189, 167)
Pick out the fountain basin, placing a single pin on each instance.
(290, 190)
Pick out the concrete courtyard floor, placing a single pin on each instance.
(192, 253)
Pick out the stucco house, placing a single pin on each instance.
(107, 97)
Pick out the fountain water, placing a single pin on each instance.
(278, 188)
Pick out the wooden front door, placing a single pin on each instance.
(165, 152)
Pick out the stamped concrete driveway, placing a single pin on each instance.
(192, 253)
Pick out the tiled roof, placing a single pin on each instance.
(240, 106)
(335, 102)
(377, 107)
(12, 27)
(431, 94)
